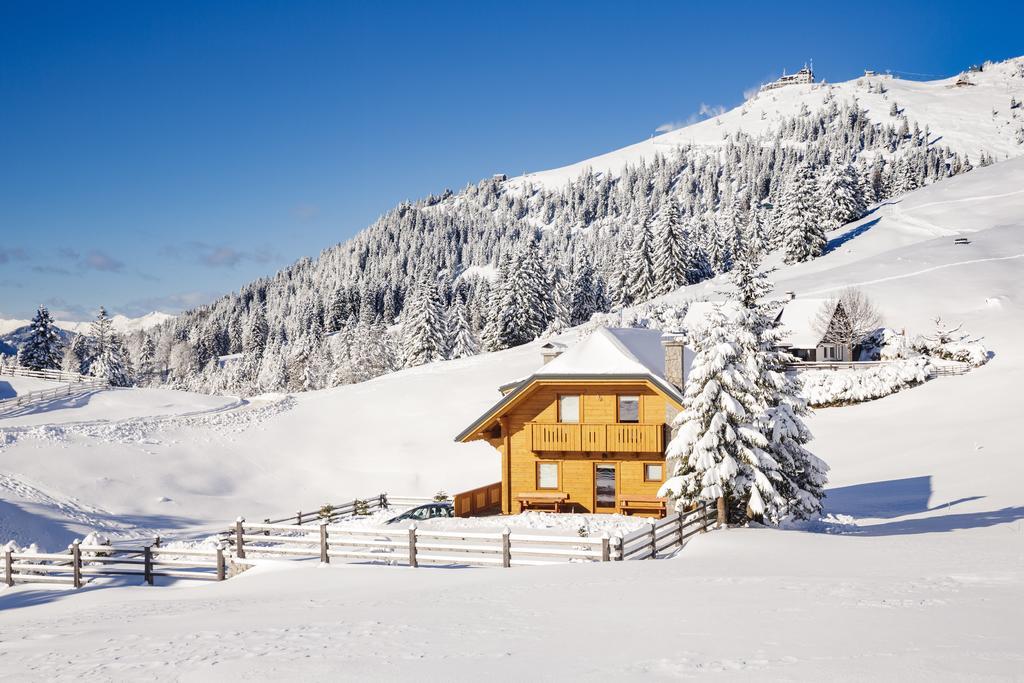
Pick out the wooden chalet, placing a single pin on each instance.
(587, 431)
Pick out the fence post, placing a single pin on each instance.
(76, 563)
(704, 517)
(298, 516)
(156, 542)
(606, 542)
(239, 543)
(383, 501)
(147, 566)
(324, 557)
(220, 562)
(506, 547)
(654, 539)
(412, 546)
(9, 567)
(620, 547)
(266, 520)
(682, 528)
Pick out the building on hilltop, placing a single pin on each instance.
(804, 75)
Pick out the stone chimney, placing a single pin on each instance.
(551, 351)
(674, 359)
(790, 295)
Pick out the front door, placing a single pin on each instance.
(604, 487)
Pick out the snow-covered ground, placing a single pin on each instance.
(969, 119)
(916, 571)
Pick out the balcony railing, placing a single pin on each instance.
(600, 438)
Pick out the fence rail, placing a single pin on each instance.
(70, 389)
(79, 562)
(57, 375)
(315, 536)
(413, 546)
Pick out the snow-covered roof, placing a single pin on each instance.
(608, 353)
(630, 351)
(798, 320)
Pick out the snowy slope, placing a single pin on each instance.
(960, 118)
(914, 574)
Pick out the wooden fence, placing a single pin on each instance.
(47, 394)
(313, 536)
(948, 369)
(79, 562)
(56, 375)
(412, 546)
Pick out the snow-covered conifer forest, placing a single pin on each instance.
(504, 260)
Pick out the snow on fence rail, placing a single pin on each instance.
(46, 394)
(57, 375)
(79, 562)
(412, 546)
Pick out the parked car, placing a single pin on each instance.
(422, 512)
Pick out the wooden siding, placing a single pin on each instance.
(628, 446)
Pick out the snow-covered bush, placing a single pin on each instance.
(842, 387)
(884, 344)
(952, 344)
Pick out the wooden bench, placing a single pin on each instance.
(555, 500)
(631, 504)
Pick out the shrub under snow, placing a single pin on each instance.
(841, 387)
(952, 344)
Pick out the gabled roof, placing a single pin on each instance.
(607, 354)
(798, 322)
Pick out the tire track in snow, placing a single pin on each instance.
(914, 274)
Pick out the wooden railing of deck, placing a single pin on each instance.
(589, 437)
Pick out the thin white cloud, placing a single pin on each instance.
(705, 111)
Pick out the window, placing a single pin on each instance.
(653, 471)
(547, 475)
(569, 408)
(629, 408)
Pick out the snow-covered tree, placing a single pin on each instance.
(803, 236)
(718, 453)
(796, 475)
(76, 355)
(670, 262)
(423, 326)
(583, 303)
(641, 261)
(841, 200)
(42, 349)
(463, 342)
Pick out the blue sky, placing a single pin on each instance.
(154, 155)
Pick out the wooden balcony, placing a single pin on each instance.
(597, 438)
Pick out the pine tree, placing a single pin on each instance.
(111, 362)
(423, 326)
(841, 198)
(43, 349)
(582, 292)
(718, 453)
(796, 475)
(76, 355)
(101, 330)
(803, 236)
(463, 343)
(670, 266)
(642, 263)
